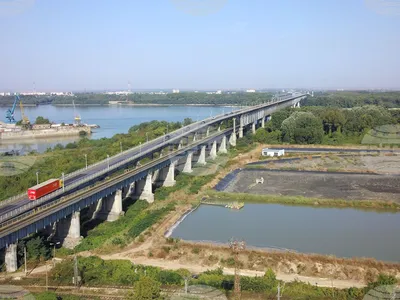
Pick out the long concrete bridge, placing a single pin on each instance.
(101, 187)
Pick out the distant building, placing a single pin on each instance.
(218, 92)
(119, 93)
(250, 91)
(33, 94)
(175, 91)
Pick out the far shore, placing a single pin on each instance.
(149, 104)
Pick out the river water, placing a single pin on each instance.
(340, 232)
(111, 119)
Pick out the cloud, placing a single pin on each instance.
(14, 7)
(384, 7)
(199, 7)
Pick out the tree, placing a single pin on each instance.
(302, 128)
(278, 117)
(333, 120)
(187, 121)
(41, 120)
(146, 288)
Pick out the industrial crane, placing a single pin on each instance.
(25, 121)
(10, 111)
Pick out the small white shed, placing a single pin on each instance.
(273, 152)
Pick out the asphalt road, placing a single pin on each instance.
(171, 137)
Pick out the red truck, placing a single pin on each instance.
(44, 188)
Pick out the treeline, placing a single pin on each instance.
(322, 125)
(354, 99)
(239, 98)
(147, 280)
(30, 100)
(66, 159)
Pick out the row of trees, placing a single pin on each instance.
(354, 99)
(147, 281)
(185, 98)
(316, 125)
(331, 99)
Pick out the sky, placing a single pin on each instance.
(77, 45)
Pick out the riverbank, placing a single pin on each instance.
(62, 131)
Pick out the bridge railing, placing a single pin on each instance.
(26, 209)
(180, 133)
(69, 187)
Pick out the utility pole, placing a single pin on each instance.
(280, 291)
(76, 274)
(47, 278)
(26, 268)
(237, 247)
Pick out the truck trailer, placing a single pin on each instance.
(44, 188)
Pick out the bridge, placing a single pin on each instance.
(101, 187)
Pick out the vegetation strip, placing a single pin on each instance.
(299, 200)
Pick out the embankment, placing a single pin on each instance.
(43, 133)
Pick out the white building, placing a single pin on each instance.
(272, 152)
(219, 92)
(175, 91)
(250, 91)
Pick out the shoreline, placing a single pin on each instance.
(42, 134)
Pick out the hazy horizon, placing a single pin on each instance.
(192, 45)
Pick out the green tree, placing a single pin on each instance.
(302, 128)
(187, 121)
(41, 120)
(333, 120)
(146, 288)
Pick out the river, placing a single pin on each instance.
(340, 232)
(111, 119)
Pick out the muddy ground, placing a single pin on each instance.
(346, 163)
(318, 185)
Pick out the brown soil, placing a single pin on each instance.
(356, 163)
(318, 185)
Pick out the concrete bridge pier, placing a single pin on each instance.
(131, 189)
(69, 230)
(144, 189)
(11, 258)
(232, 139)
(111, 207)
(194, 137)
(170, 178)
(263, 122)
(240, 132)
(208, 131)
(222, 147)
(188, 164)
(202, 156)
(213, 151)
(253, 127)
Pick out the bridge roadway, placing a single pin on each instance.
(84, 177)
(49, 213)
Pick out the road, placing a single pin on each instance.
(173, 137)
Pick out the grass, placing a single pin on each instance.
(137, 219)
(299, 200)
